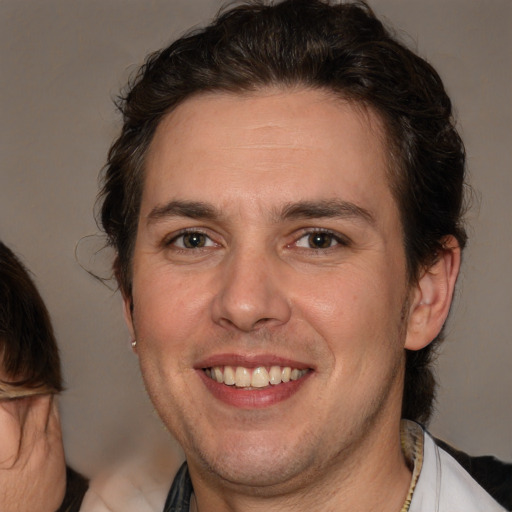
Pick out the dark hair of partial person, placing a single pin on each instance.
(340, 48)
(29, 356)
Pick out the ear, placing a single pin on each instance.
(431, 297)
(128, 317)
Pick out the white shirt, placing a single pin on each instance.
(445, 486)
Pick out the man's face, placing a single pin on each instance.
(269, 256)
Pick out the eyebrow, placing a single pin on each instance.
(334, 208)
(190, 209)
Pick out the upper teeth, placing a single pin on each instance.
(259, 377)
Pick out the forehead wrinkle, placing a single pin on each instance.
(266, 145)
(270, 136)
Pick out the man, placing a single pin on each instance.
(33, 473)
(285, 200)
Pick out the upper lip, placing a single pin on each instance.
(250, 361)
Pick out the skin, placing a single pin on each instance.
(32, 465)
(270, 170)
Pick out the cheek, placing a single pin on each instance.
(162, 298)
(10, 432)
(346, 297)
(356, 312)
(170, 312)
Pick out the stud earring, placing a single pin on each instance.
(134, 343)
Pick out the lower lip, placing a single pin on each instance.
(255, 398)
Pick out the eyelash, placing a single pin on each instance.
(334, 237)
(171, 241)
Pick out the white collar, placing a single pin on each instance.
(445, 486)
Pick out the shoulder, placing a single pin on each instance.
(494, 475)
(137, 485)
(445, 486)
(76, 487)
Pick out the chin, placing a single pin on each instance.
(258, 466)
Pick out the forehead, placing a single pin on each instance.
(307, 142)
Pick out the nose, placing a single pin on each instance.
(251, 294)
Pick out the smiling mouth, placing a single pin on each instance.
(254, 378)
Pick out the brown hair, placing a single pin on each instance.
(29, 354)
(342, 48)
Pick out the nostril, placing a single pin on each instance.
(262, 321)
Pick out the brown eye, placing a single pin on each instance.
(191, 240)
(194, 240)
(320, 240)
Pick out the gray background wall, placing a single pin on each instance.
(63, 61)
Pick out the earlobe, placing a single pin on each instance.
(432, 296)
(128, 317)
